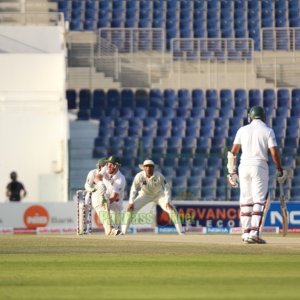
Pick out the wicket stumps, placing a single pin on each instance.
(84, 212)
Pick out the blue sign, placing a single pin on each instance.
(226, 215)
(274, 217)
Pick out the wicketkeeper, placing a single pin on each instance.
(255, 140)
(150, 186)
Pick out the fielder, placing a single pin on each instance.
(100, 201)
(255, 140)
(150, 186)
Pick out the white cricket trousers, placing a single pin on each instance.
(105, 216)
(254, 184)
(142, 200)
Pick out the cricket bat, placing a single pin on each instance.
(284, 213)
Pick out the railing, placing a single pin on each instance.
(106, 58)
(285, 39)
(213, 63)
(212, 49)
(131, 40)
(32, 18)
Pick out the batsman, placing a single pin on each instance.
(95, 184)
(255, 140)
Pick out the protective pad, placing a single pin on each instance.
(231, 167)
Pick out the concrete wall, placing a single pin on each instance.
(33, 119)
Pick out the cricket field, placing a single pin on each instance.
(145, 266)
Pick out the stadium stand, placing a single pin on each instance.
(176, 120)
(186, 144)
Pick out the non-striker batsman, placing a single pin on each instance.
(255, 140)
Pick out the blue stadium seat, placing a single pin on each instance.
(71, 96)
(292, 131)
(127, 98)
(192, 131)
(154, 112)
(188, 147)
(179, 186)
(170, 98)
(85, 99)
(255, 97)
(183, 171)
(194, 181)
(211, 98)
(279, 120)
(185, 161)
(173, 145)
(83, 114)
(135, 126)
(141, 98)
(98, 103)
(208, 188)
(170, 161)
(140, 112)
(283, 98)
(226, 99)
(282, 112)
(75, 24)
(198, 98)
(156, 98)
(63, 6)
(163, 127)
(113, 98)
(269, 98)
(184, 100)
(146, 142)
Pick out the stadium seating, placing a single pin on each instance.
(185, 18)
(190, 146)
(172, 125)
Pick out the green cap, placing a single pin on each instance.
(101, 162)
(114, 160)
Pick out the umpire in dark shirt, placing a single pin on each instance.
(15, 190)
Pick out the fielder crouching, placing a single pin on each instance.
(150, 186)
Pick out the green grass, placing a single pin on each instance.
(33, 267)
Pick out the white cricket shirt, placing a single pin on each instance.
(255, 140)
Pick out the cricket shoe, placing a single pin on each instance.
(255, 240)
(118, 232)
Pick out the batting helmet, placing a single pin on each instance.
(114, 160)
(257, 112)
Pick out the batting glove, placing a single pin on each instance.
(233, 180)
(281, 176)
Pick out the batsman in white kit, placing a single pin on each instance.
(115, 183)
(99, 183)
(255, 140)
(150, 186)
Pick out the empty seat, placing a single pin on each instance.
(85, 99)
(127, 98)
(254, 98)
(113, 98)
(71, 96)
(269, 98)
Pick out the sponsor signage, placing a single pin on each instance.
(274, 217)
(225, 215)
(204, 215)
